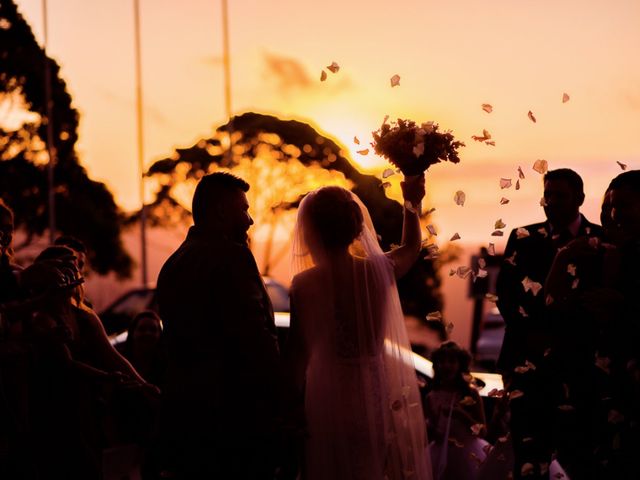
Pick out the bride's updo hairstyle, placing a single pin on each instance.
(333, 217)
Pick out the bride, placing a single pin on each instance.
(363, 411)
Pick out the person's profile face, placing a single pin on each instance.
(625, 212)
(236, 217)
(562, 203)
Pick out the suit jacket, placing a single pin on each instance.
(527, 329)
(223, 360)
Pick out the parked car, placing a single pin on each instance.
(485, 382)
(490, 340)
(116, 317)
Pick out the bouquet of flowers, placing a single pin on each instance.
(412, 148)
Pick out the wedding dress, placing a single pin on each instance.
(362, 404)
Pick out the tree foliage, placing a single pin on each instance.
(282, 160)
(84, 208)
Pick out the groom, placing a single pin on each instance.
(221, 397)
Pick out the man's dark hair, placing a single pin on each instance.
(71, 242)
(629, 180)
(572, 178)
(212, 190)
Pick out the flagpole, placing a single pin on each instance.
(51, 149)
(140, 141)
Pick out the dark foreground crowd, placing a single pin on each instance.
(72, 406)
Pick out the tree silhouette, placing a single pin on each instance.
(84, 208)
(282, 160)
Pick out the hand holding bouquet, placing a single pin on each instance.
(412, 148)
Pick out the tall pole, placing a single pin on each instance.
(51, 148)
(140, 139)
(226, 61)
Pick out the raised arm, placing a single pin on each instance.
(405, 255)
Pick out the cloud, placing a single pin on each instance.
(288, 72)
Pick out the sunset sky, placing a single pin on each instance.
(451, 57)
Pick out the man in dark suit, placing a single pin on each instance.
(221, 396)
(529, 331)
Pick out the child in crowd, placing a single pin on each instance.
(455, 416)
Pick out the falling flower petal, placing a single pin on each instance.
(477, 428)
(387, 173)
(467, 401)
(566, 408)
(409, 206)
(530, 285)
(505, 183)
(511, 259)
(492, 249)
(548, 300)
(491, 297)
(523, 312)
(363, 152)
(452, 272)
(522, 233)
(431, 229)
(515, 394)
(455, 237)
(490, 142)
(504, 201)
(520, 173)
(430, 211)
(463, 271)
(565, 98)
(499, 224)
(456, 443)
(623, 166)
(482, 273)
(504, 439)
(497, 233)
(543, 231)
(544, 468)
(541, 166)
(518, 184)
(571, 269)
(531, 116)
(495, 393)
(527, 439)
(487, 107)
(434, 316)
(575, 283)
(395, 80)
(356, 141)
(334, 67)
(459, 198)
(323, 76)
(527, 469)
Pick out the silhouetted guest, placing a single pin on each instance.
(143, 346)
(528, 257)
(80, 251)
(221, 397)
(8, 280)
(625, 212)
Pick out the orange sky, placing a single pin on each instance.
(451, 56)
